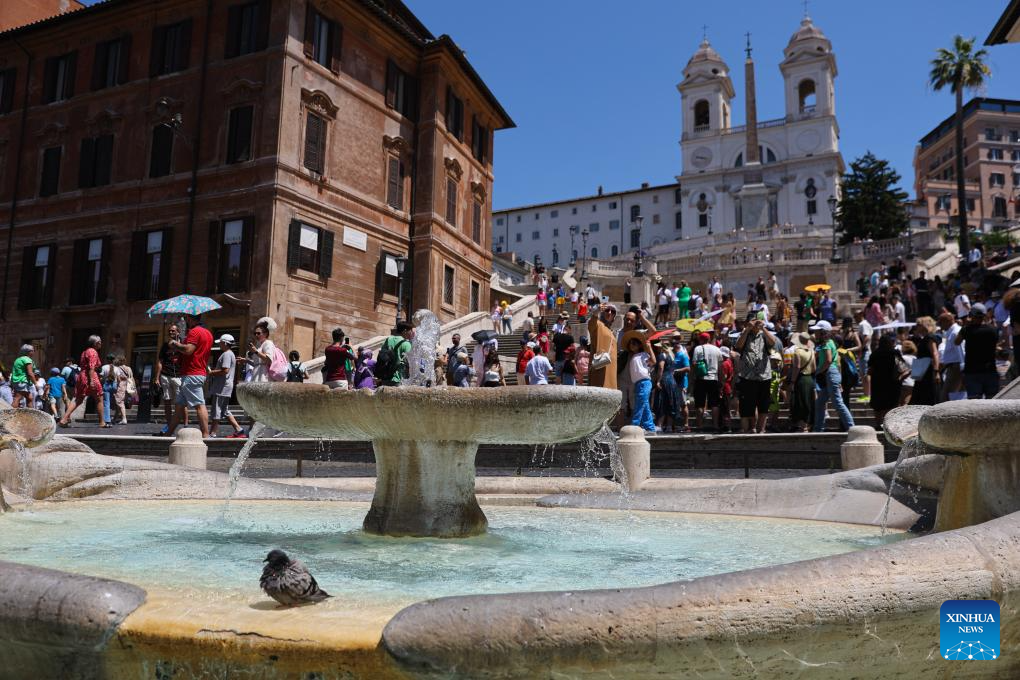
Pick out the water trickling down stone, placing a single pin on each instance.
(422, 357)
(24, 459)
(911, 447)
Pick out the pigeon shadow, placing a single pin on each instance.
(270, 606)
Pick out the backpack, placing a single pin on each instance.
(692, 303)
(72, 377)
(294, 373)
(279, 367)
(848, 369)
(700, 363)
(386, 363)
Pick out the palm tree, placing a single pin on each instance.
(960, 68)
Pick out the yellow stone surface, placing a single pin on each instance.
(199, 634)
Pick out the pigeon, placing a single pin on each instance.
(288, 581)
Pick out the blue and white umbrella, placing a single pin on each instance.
(192, 305)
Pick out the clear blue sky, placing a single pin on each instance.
(592, 84)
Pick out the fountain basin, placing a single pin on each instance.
(28, 426)
(425, 440)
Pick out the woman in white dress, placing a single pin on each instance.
(263, 349)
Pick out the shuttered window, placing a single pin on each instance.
(401, 91)
(476, 222)
(110, 63)
(451, 201)
(171, 48)
(7, 80)
(95, 162)
(37, 273)
(447, 285)
(247, 28)
(315, 143)
(239, 134)
(323, 39)
(395, 184)
(90, 270)
(454, 114)
(231, 247)
(161, 158)
(310, 249)
(476, 290)
(58, 77)
(49, 182)
(479, 140)
(149, 275)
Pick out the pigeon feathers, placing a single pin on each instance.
(289, 582)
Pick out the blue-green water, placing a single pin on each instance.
(192, 545)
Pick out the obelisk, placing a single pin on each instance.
(753, 203)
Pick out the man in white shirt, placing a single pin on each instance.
(899, 309)
(962, 304)
(867, 332)
(715, 288)
(537, 371)
(975, 255)
(951, 359)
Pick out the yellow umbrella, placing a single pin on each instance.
(817, 288)
(694, 325)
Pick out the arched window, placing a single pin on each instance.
(635, 212)
(614, 251)
(810, 191)
(806, 95)
(702, 206)
(701, 115)
(766, 155)
(556, 256)
(595, 252)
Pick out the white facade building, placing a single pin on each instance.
(719, 195)
(799, 153)
(544, 230)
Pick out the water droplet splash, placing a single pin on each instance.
(421, 360)
(242, 457)
(23, 457)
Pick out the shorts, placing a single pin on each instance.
(19, 387)
(220, 405)
(337, 384)
(754, 395)
(664, 309)
(191, 391)
(707, 392)
(169, 386)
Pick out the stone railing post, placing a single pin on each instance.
(861, 448)
(635, 454)
(188, 449)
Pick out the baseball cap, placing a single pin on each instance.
(227, 338)
(978, 309)
(532, 345)
(822, 325)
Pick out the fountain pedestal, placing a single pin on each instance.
(425, 439)
(425, 488)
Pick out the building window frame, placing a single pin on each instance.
(231, 245)
(171, 48)
(59, 75)
(95, 162)
(49, 175)
(37, 275)
(449, 285)
(151, 264)
(240, 134)
(247, 29)
(323, 40)
(111, 63)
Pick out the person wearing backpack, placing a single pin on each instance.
(391, 364)
(296, 372)
(270, 364)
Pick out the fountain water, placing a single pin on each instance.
(422, 357)
(24, 459)
(242, 457)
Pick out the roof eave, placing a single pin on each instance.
(445, 42)
(1005, 24)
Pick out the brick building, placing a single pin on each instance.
(279, 156)
(991, 166)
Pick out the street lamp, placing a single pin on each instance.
(573, 251)
(401, 263)
(833, 204)
(584, 251)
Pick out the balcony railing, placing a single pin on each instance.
(775, 122)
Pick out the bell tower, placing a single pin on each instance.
(809, 69)
(706, 93)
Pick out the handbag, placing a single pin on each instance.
(920, 368)
(600, 360)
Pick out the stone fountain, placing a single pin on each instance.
(23, 429)
(425, 440)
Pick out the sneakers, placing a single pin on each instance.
(237, 435)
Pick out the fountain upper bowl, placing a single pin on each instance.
(505, 415)
(29, 426)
